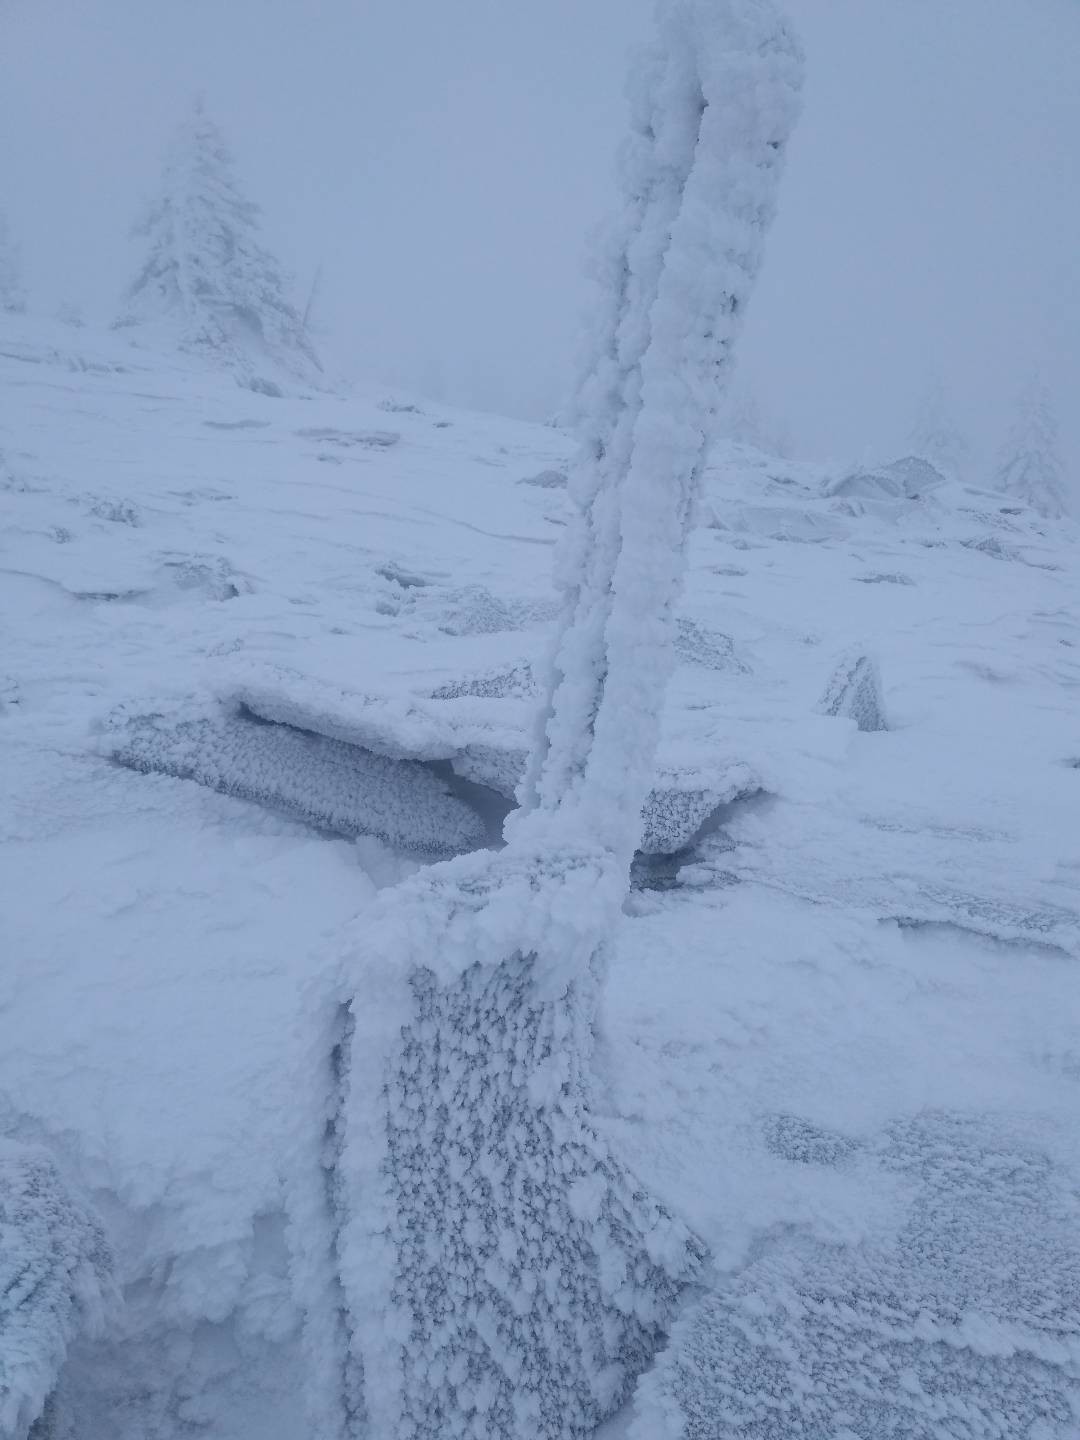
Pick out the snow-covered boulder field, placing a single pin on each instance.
(261, 657)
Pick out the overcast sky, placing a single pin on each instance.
(444, 162)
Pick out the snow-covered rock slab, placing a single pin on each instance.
(335, 786)
(968, 1327)
(54, 1282)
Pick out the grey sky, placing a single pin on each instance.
(445, 163)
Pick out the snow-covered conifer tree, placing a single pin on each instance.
(504, 1277)
(1029, 466)
(205, 272)
(935, 436)
(12, 294)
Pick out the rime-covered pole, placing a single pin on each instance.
(714, 102)
(503, 1276)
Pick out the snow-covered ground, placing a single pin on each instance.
(849, 951)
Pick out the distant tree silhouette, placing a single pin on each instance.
(12, 294)
(205, 270)
(1029, 465)
(935, 436)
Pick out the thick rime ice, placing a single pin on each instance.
(713, 103)
(54, 1281)
(336, 786)
(504, 1275)
(206, 272)
(967, 1327)
(854, 692)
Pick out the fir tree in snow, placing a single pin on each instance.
(205, 270)
(504, 1277)
(935, 436)
(12, 294)
(1029, 467)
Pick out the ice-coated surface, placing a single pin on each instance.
(967, 1325)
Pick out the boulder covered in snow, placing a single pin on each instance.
(907, 479)
(854, 692)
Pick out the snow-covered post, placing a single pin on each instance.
(1029, 467)
(504, 1277)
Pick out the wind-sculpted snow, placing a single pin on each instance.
(338, 787)
(54, 1282)
(967, 1326)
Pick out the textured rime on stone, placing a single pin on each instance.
(697, 645)
(966, 1328)
(321, 781)
(854, 691)
(505, 1278)
(559, 1289)
(680, 800)
(54, 1282)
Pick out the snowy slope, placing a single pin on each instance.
(873, 927)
